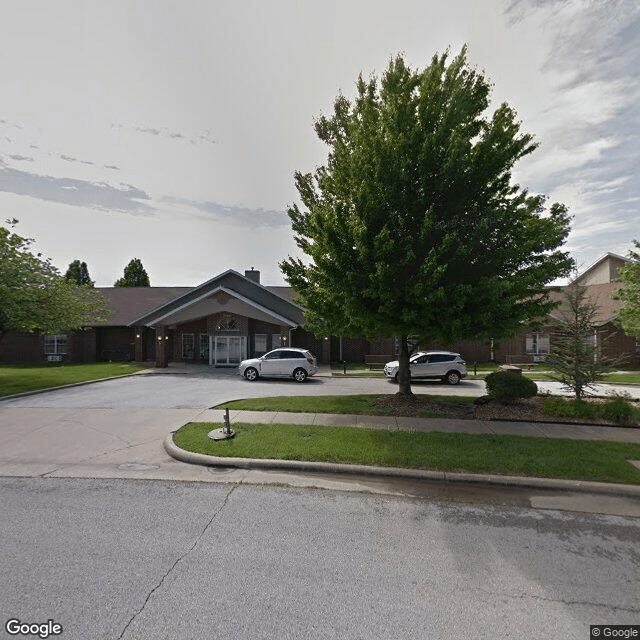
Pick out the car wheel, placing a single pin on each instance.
(299, 375)
(251, 374)
(453, 377)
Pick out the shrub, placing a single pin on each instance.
(507, 386)
(619, 410)
(562, 408)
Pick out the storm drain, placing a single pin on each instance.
(135, 466)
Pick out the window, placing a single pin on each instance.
(260, 343)
(227, 323)
(55, 345)
(187, 346)
(537, 343)
(204, 346)
(276, 340)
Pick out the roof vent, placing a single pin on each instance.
(253, 275)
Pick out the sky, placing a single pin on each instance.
(171, 131)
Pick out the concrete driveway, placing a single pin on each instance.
(116, 428)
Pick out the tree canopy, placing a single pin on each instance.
(78, 273)
(414, 227)
(629, 313)
(134, 275)
(35, 297)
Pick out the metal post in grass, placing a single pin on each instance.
(225, 432)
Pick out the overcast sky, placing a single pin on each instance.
(170, 131)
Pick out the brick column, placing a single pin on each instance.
(139, 350)
(326, 351)
(161, 347)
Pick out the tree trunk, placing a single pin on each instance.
(404, 374)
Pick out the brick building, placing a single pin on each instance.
(232, 317)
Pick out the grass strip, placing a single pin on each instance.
(457, 452)
(18, 378)
(358, 404)
(621, 377)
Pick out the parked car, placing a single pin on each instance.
(280, 363)
(431, 365)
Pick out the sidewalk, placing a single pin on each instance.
(539, 429)
(548, 430)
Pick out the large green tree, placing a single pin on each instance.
(78, 272)
(414, 227)
(35, 297)
(135, 275)
(629, 313)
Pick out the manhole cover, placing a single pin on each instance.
(135, 466)
(221, 434)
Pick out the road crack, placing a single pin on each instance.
(179, 559)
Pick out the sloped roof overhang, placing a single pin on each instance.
(229, 292)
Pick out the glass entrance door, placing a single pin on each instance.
(227, 351)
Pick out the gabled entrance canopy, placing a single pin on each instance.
(229, 292)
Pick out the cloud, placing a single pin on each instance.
(81, 193)
(235, 215)
(20, 158)
(589, 129)
(86, 162)
(202, 136)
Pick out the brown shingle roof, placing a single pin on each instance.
(129, 303)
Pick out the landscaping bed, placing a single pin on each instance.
(619, 411)
(525, 410)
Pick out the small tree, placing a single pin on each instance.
(629, 313)
(35, 297)
(575, 356)
(78, 273)
(134, 275)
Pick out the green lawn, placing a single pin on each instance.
(627, 376)
(454, 452)
(17, 378)
(362, 404)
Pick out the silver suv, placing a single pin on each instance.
(280, 363)
(431, 365)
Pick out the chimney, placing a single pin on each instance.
(253, 275)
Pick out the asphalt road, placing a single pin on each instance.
(207, 388)
(114, 559)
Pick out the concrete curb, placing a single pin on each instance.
(603, 488)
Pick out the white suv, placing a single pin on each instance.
(431, 365)
(280, 363)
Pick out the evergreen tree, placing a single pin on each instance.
(78, 273)
(134, 275)
(576, 356)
